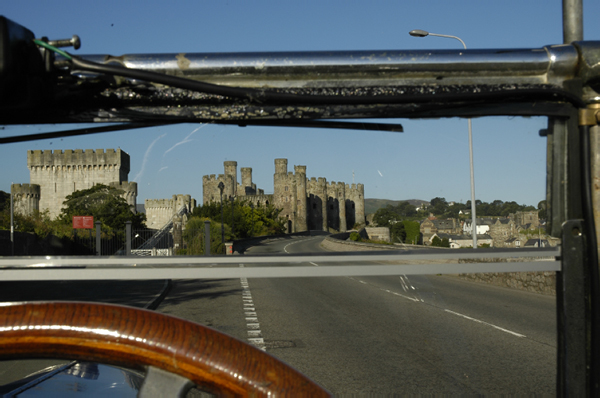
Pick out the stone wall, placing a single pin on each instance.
(378, 233)
(60, 173)
(26, 198)
(306, 204)
(537, 282)
(160, 211)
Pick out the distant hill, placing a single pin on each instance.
(372, 205)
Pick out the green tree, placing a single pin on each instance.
(385, 216)
(398, 232)
(193, 236)
(413, 231)
(103, 202)
(438, 206)
(247, 221)
(436, 241)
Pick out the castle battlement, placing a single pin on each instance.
(33, 189)
(59, 173)
(26, 198)
(315, 184)
(305, 203)
(78, 157)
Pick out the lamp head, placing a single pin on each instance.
(418, 33)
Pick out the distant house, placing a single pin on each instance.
(537, 243)
(512, 242)
(431, 227)
(483, 225)
(460, 241)
(529, 218)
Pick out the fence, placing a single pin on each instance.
(143, 242)
(111, 242)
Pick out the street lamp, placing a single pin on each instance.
(232, 198)
(423, 33)
(221, 187)
(252, 218)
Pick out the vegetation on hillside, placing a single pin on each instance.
(441, 208)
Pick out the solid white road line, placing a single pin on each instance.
(485, 323)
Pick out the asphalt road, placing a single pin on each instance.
(359, 335)
(384, 335)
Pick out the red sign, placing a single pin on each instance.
(83, 222)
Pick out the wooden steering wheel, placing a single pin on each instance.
(174, 352)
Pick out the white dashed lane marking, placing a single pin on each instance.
(254, 333)
(407, 285)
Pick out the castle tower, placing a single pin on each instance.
(358, 197)
(210, 188)
(230, 170)
(281, 166)
(60, 173)
(317, 204)
(26, 198)
(130, 192)
(247, 188)
(336, 202)
(341, 191)
(300, 199)
(284, 192)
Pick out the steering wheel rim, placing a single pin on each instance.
(137, 338)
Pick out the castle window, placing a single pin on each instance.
(331, 207)
(286, 188)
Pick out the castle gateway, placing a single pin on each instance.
(307, 204)
(53, 175)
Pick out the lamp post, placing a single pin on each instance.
(221, 188)
(423, 33)
(232, 198)
(252, 218)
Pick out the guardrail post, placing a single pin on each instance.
(207, 238)
(128, 238)
(98, 238)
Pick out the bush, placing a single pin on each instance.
(355, 236)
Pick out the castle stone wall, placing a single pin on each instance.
(60, 173)
(160, 211)
(210, 187)
(26, 198)
(306, 204)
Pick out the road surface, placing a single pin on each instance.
(355, 335)
(383, 335)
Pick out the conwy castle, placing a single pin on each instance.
(53, 175)
(307, 204)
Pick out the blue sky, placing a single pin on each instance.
(429, 159)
